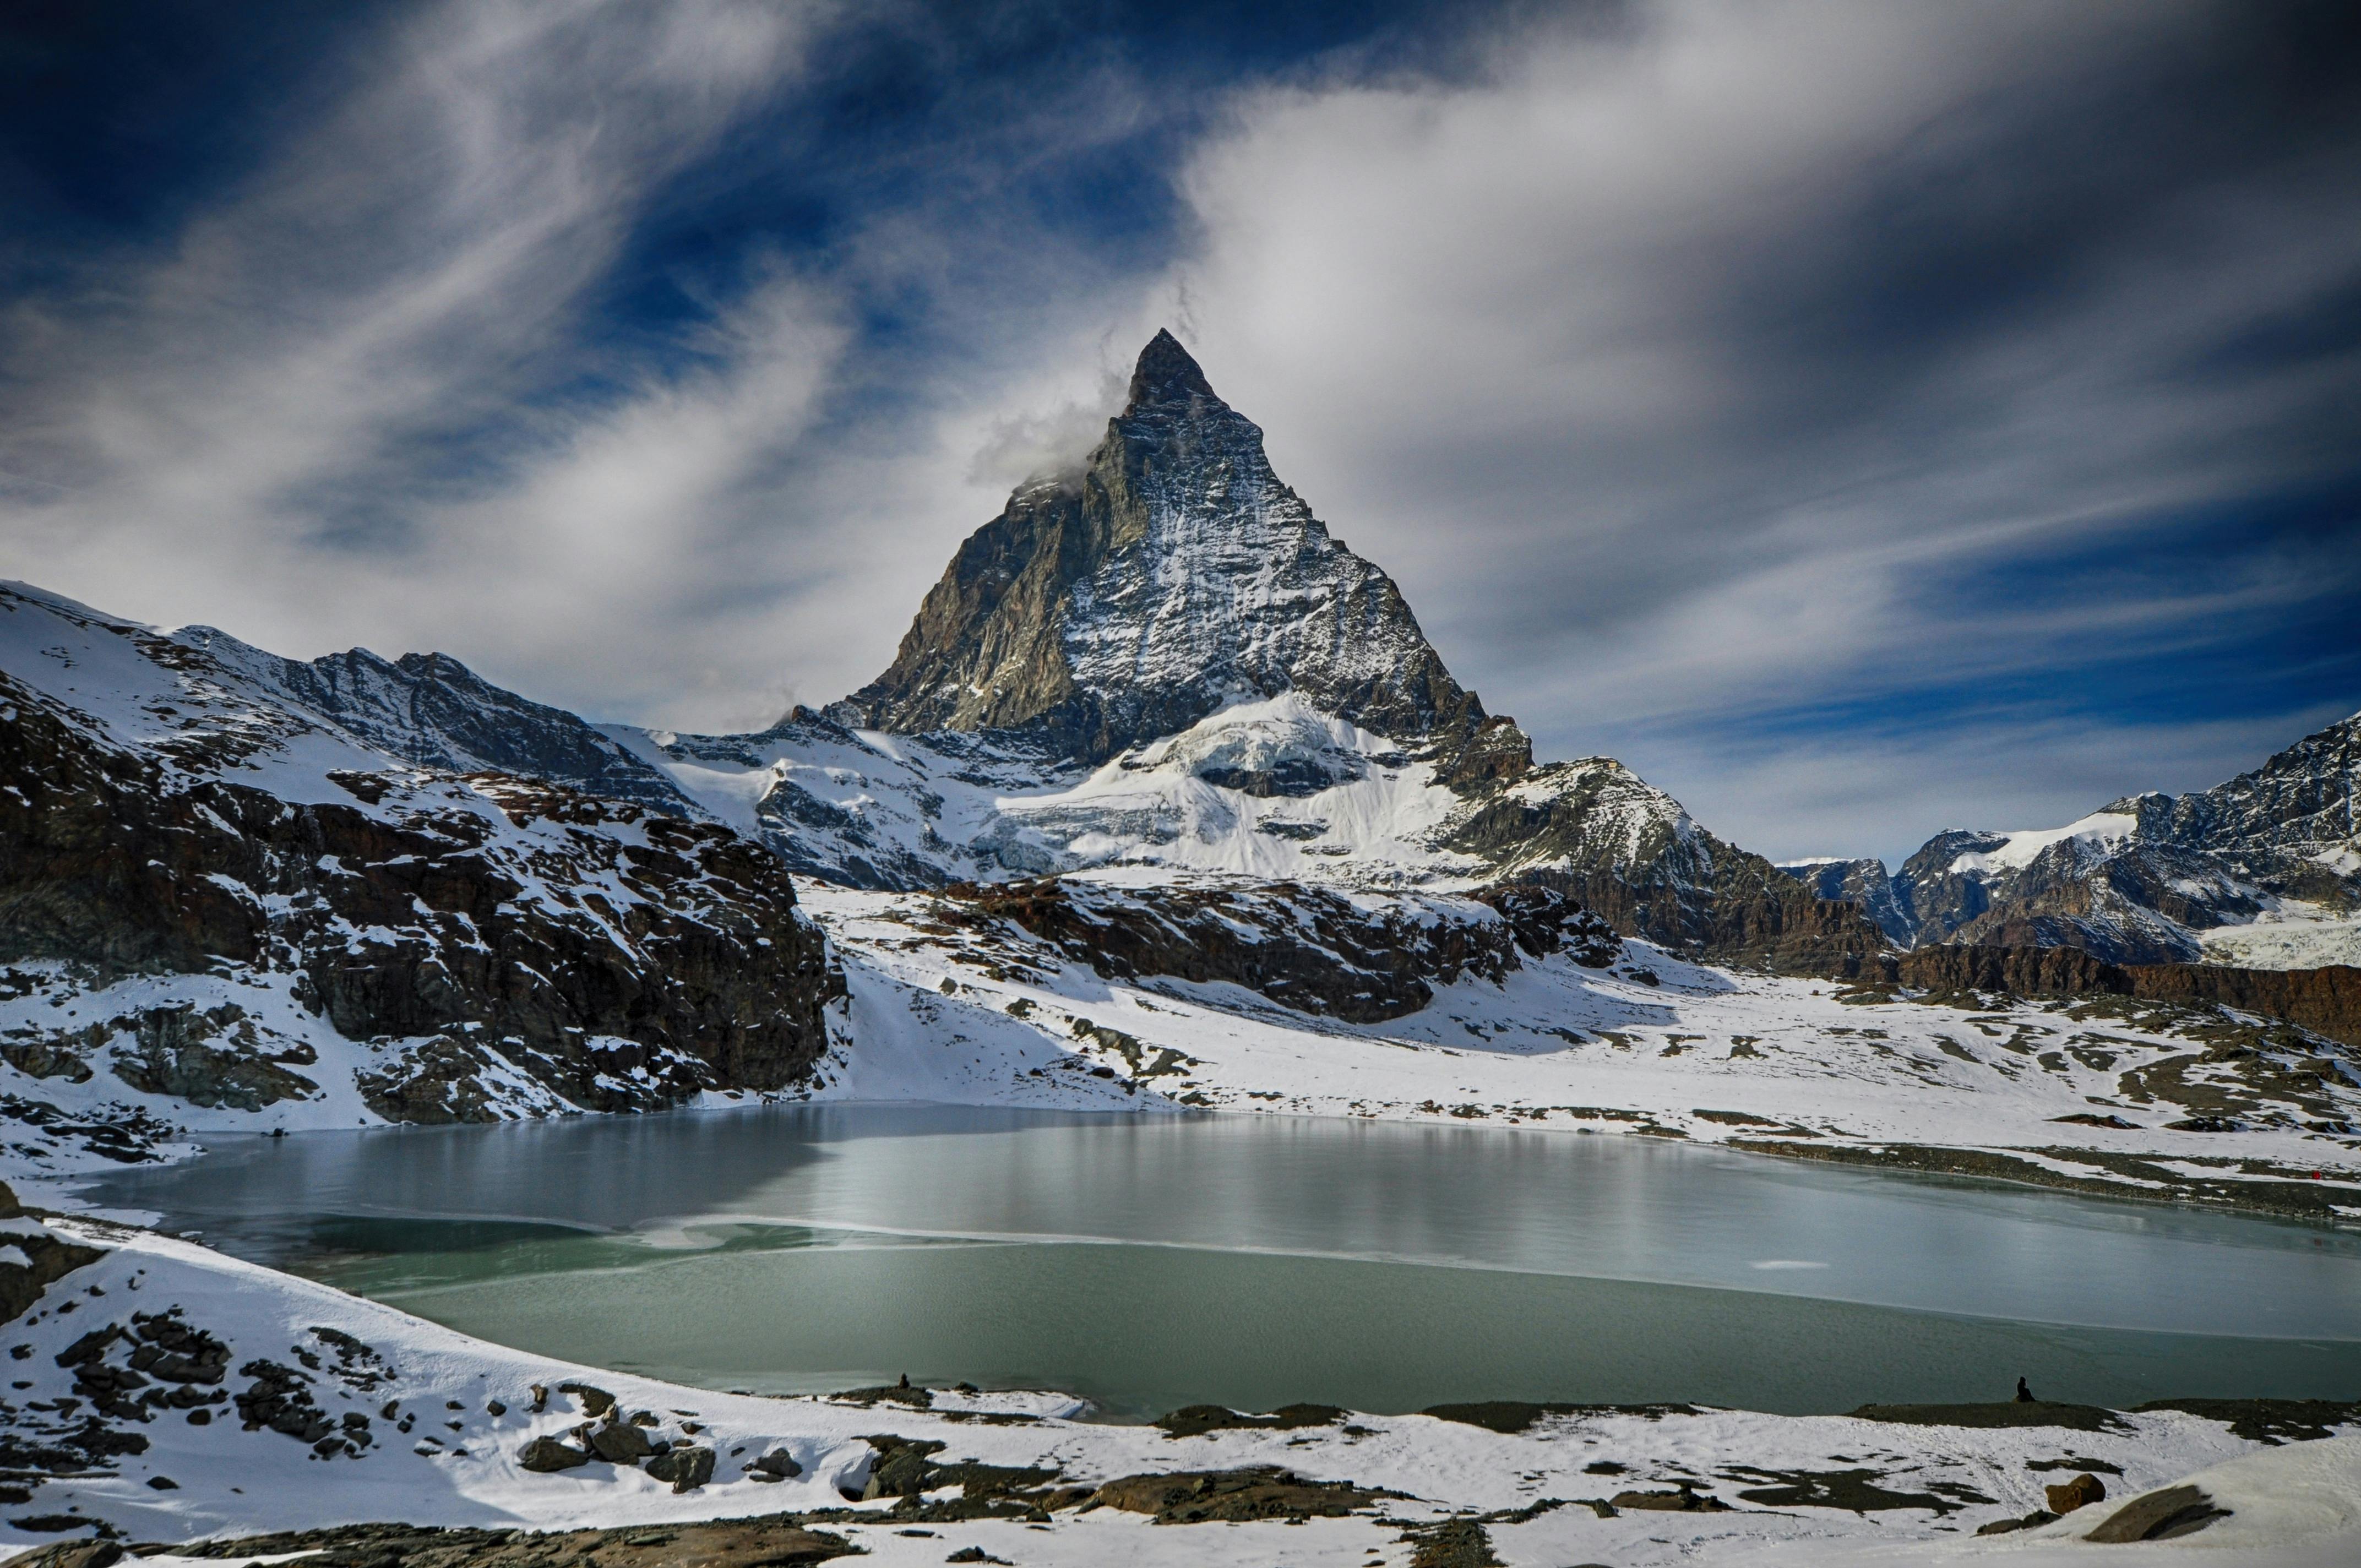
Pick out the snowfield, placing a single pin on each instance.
(1652, 1045)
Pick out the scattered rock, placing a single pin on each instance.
(595, 1401)
(620, 1442)
(1254, 1492)
(687, 1467)
(2159, 1516)
(776, 1465)
(2078, 1492)
(2003, 1527)
(1452, 1543)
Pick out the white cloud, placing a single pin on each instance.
(234, 430)
(1679, 368)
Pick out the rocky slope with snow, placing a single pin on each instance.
(217, 897)
(2262, 873)
(1171, 574)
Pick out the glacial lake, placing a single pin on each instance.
(1149, 1262)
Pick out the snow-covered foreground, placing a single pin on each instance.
(426, 1426)
(2128, 1099)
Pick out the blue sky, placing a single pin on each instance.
(1863, 419)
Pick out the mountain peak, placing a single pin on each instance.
(1175, 576)
(1167, 373)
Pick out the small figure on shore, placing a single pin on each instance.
(2020, 1385)
(2024, 1394)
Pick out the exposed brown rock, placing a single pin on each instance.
(2159, 1516)
(2325, 1001)
(2078, 1492)
(1253, 1492)
(776, 1540)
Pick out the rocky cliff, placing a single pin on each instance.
(2327, 1000)
(163, 814)
(1170, 574)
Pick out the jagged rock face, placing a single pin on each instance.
(1628, 851)
(160, 815)
(1308, 948)
(1862, 883)
(1172, 574)
(2306, 801)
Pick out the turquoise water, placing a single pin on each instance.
(1150, 1262)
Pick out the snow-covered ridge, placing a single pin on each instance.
(2018, 849)
(2263, 871)
(229, 908)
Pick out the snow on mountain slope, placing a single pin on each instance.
(1271, 788)
(2154, 879)
(2014, 851)
(1170, 576)
(2130, 1099)
(208, 890)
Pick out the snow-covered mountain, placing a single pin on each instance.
(1170, 576)
(235, 882)
(1162, 658)
(2263, 871)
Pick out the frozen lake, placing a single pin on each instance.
(1148, 1262)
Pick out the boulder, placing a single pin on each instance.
(2080, 1492)
(620, 1442)
(776, 1465)
(2159, 1516)
(687, 1467)
(545, 1455)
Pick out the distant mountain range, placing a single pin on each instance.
(2264, 870)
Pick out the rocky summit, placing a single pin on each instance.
(1169, 575)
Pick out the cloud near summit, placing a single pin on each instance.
(1777, 396)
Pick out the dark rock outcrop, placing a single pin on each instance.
(589, 942)
(1628, 851)
(48, 1259)
(2325, 1001)
(1307, 947)
(1863, 884)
